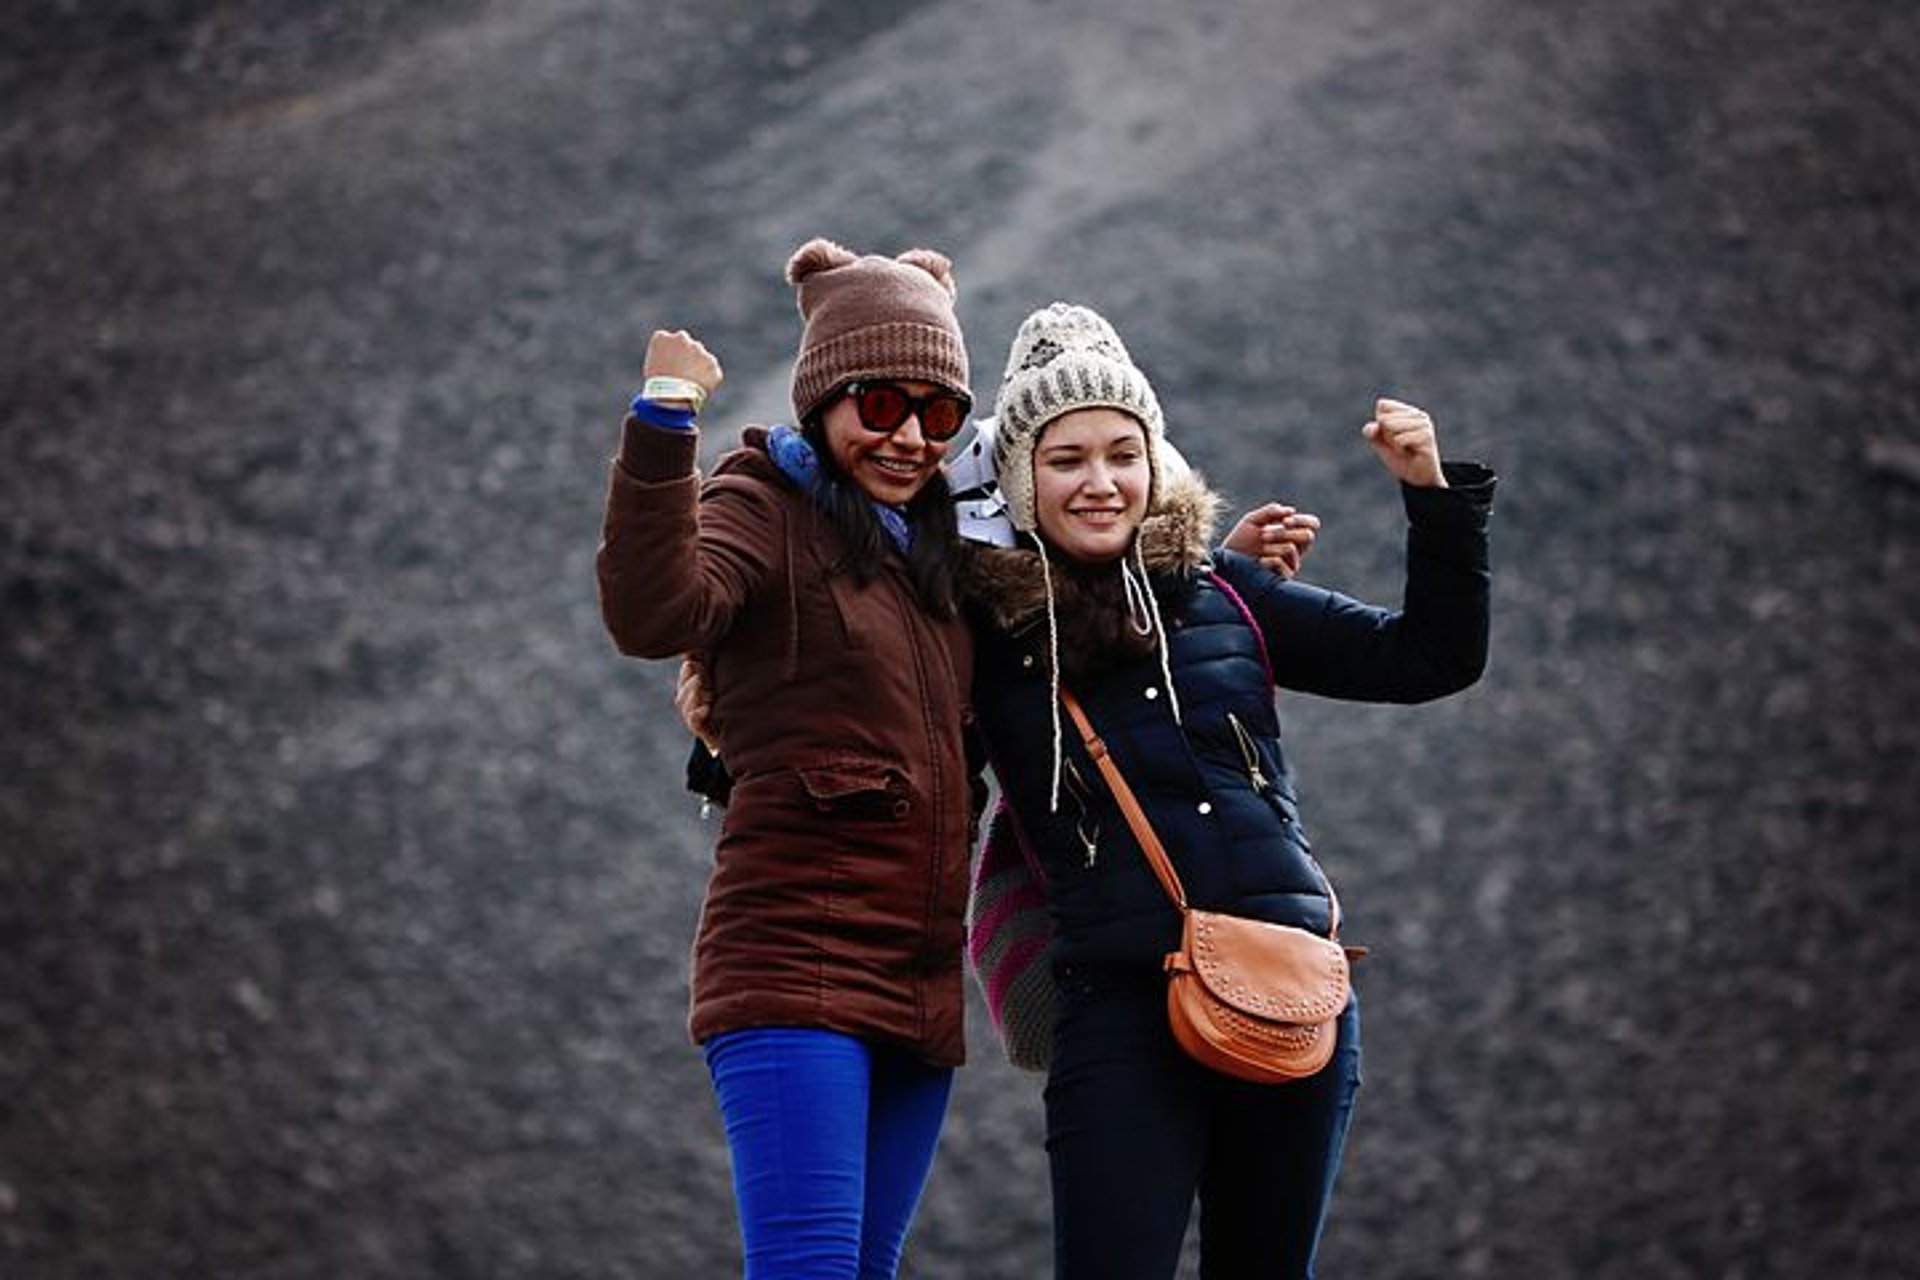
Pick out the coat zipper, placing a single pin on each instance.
(1249, 755)
(1084, 826)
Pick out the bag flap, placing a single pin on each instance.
(1268, 970)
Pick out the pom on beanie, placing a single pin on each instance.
(1065, 357)
(873, 317)
(817, 254)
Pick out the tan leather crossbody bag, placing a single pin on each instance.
(1251, 999)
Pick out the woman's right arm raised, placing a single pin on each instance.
(675, 564)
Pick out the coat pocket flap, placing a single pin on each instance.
(850, 779)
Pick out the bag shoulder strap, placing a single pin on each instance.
(1129, 806)
(1226, 589)
(1143, 830)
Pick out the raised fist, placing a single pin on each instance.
(675, 353)
(1403, 436)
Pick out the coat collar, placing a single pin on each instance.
(1008, 587)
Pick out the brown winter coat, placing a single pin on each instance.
(839, 885)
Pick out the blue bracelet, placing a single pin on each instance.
(655, 414)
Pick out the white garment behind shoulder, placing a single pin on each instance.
(981, 509)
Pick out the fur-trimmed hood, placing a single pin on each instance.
(1007, 586)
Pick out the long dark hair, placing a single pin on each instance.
(930, 515)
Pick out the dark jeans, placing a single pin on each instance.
(1135, 1129)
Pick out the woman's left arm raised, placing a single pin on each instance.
(1436, 643)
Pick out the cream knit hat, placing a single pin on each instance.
(1065, 357)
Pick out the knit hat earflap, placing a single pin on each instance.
(873, 317)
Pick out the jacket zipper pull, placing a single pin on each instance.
(1084, 826)
(1248, 756)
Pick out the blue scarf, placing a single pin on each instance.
(796, 459)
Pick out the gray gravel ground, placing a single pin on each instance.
(345, 882)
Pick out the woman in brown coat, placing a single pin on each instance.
(811, 571)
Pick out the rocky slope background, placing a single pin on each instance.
(345, 881)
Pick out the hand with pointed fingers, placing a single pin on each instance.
(694, 701)
(1277, 535)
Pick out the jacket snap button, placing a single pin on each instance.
(1152, 692)
(1205, 806)
(1026, 660)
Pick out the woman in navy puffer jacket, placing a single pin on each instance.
(1175, 654)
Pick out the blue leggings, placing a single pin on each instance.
(832, 1139)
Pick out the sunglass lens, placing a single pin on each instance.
(882, 408)
(941, 416)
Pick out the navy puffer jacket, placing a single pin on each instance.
(1215, 785)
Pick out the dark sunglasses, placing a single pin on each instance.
(883, 406)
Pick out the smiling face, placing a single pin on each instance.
(889, 468)
(1090, 482)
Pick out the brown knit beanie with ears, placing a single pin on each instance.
(873, 317)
